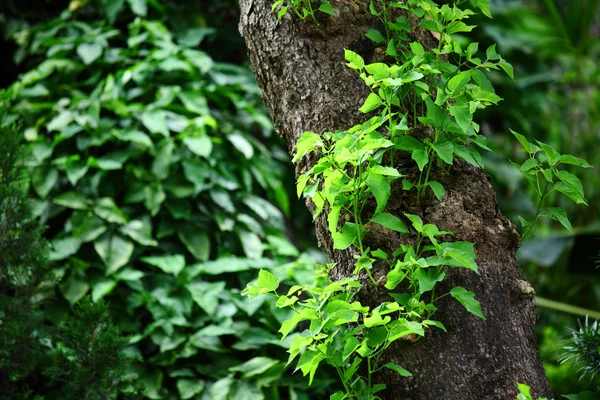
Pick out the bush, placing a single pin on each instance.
(81, 358)
(162, 180)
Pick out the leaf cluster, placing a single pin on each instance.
(302, 8)
(441, 89)
(542, 172)
(583, 348)
(80, 358)
(159, 172)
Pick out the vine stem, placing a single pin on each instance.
(369, 373)
(312, 13)
(358, 221)
(537, 213)
(348, 390)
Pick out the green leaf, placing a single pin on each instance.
(282, 246)
(484, 6)
(63, 248)
(89, 52)
(220, 389)
(337, 396)
(375, 35)
(76, 169)
(309, 362)
(201, 146)
(390, 221)
(355, 61)
(345, 237)
(529, 147)
(372, 102)
(397, 368)
(86, 226)
(417, 222)
(463, 258)
(467, 154)
(482, 81)
(254, 367)
(139, 7)
(102, 288)
(129, 274)
(438, 189)
(206, 295)
(462, 113)
(156, 122)
(241, 144)
(571, 187)
(408, 143)
(421, 158)
(282, 11)
(106, 209)
(267, 281)
(171, 264)
(306, 144)
(224, 265)
(139, 232)
(74, 200)
(163, 159)
(391, 49)
(194, 102)
(458, 26)
(114, 250)
(379, 254)
(569, 159)
(467, 299)
(251, 243)
(43, 180)
(133, 136)
(428, 278)
(154, 196)
(73, 290)
(458, 82)
(326, 8)
(380, 188)
(507, 67)
(189, 388)
(438, 324)
(436, 115)
(376, 320)
(558, 214)
(112, 9)
(411, 76)
(284, 301)
(553, 157)
(444, 150)
(195, 240)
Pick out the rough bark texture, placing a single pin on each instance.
(305, 84)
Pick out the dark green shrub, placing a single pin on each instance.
(82, 357)
(162, 181)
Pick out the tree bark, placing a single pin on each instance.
(306, 86)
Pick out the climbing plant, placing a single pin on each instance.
(421, 106)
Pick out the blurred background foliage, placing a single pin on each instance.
(163, 187)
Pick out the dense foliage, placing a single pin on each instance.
(164, 188)
(159, 175)
(555, 49)
(81, 356)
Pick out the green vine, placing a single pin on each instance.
(302, 8)
(541, 170)
(424, 101)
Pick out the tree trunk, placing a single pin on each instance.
(306, 86)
